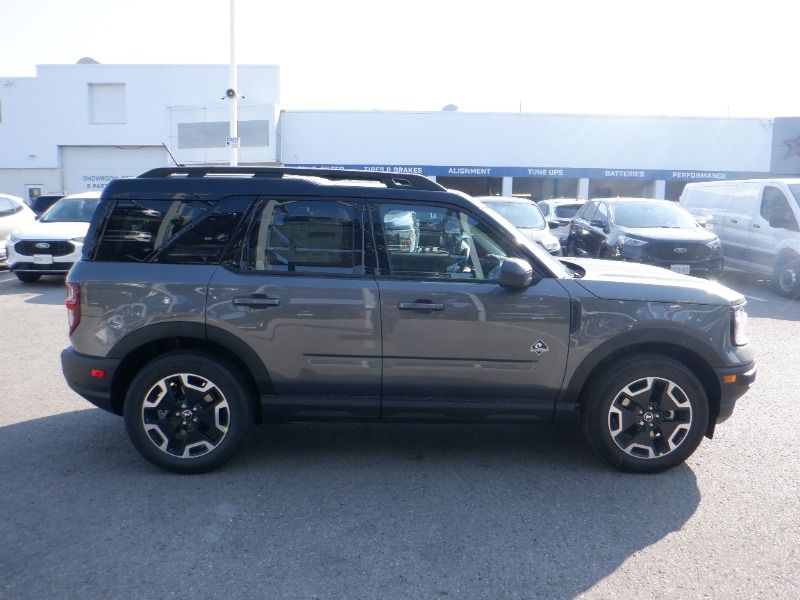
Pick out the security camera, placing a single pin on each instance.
(230, 93)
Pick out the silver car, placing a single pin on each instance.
(525, 216)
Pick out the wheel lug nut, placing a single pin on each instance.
(641, 422)
(195, 419)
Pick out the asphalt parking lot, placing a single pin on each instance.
(390, 511)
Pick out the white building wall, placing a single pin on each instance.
(41, 114)
(519, 140)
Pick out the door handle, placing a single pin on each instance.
(256, 301)
(734, 221)
(420, 305)
(756, 225)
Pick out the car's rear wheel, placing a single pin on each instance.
(188, 412)
(646, 414)
(787, 276)
(28, 277)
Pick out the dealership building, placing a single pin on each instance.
(73, 128)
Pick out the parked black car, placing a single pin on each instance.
(656, 232)
(41, 203)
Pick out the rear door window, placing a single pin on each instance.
(305, 236)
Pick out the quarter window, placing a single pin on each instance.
(432, 242)
(305, 236)
(177, 231)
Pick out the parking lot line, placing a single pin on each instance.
(6, 279)
(756, 298)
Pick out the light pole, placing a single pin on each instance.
(232, 94)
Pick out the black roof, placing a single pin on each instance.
(216, 182)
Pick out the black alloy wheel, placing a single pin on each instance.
(646, 415)
(188, 412)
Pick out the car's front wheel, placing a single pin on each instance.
(646, 414)
(188, 412)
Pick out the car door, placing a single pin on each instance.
(580, 240)
(296, 293)
(455, 343)
(769, 227)
(737, 220)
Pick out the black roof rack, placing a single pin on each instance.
(390, 180)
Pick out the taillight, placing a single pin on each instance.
(73, 304)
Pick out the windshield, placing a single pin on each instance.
(795, 189)
(521, 214)
(542, 255)
(567, 211)
(71, 210)
(652, 214)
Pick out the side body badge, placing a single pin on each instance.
(539, 348)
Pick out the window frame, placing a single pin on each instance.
(382, 269)
(235, 259)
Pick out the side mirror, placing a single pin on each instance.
(553, 224)
(598, 223)
(515, 273)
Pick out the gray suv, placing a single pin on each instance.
(210, 299)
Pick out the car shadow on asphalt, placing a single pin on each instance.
(48, 290)
(325, 510)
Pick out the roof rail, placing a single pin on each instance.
(390, 180)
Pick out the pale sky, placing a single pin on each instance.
(694, 58)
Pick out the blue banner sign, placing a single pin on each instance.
(543, 172)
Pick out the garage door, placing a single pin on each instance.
(86, 168)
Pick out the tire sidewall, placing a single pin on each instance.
(222, 374)
(595, 413)
(780, 275)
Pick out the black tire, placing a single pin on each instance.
(787, 276)
(604, 253)
(28, 277)
(572, 248)
(188, 412)
(647, 414)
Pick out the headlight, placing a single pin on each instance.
(78, 239)
(13, 239)
(624, 240)
(714, 244)
(739, 326)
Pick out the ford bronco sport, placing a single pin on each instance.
(210, 299)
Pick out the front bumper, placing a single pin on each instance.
(44, 263)
(739, 380)
(712, 265)
(78, 369)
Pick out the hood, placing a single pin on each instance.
(539, 236)
(617, 280)
(52, 231)
(670, 234)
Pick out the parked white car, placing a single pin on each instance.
(14, 213)
(525, 216)
(51, 245)
(560, 211)
(758, 224)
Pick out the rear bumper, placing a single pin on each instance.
(78, 369)
(730, 392)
